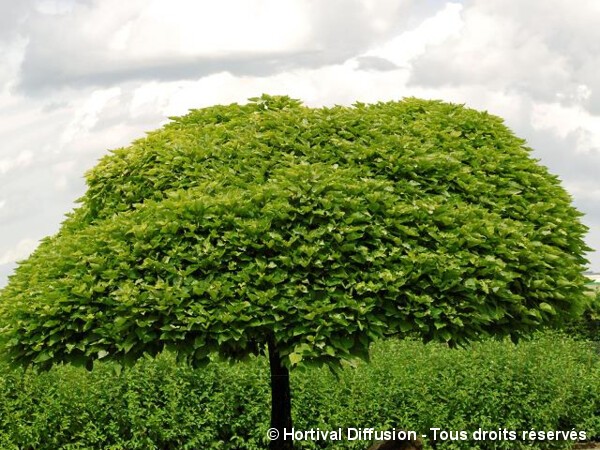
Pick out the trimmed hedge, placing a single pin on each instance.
(548, 383)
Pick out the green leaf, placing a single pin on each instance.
(295, 358)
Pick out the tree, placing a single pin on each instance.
(302, 233)
(587, 325)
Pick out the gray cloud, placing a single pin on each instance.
(13, 15)
(546, 50)
(40, 72)
(558, 155)
(375, 63)
(5, 271)
(62, 52)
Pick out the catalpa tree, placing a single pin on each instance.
(304, 234)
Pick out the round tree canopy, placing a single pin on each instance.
(321, 229)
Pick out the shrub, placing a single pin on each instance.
(551, 382)
(587, 325)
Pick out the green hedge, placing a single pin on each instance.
(549, 383)
(587, 326)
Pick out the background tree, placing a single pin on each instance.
(587, 325)
(302, 233)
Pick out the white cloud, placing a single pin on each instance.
(87, 115)
(23, 159)
(21, 251)
(402, 49)
(62, 172)
(564, 120)
(339, 83)
(13, 52)
(216, 28)
(55, 7)
(540, 49)
(120, 41)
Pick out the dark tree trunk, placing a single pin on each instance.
(281, 405)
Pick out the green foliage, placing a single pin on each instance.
(549, 383)
(324, 228)
(587, 325)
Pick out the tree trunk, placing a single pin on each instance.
(281, 405)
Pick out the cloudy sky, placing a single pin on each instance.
(79, 77)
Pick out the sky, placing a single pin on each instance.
(81, 77)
